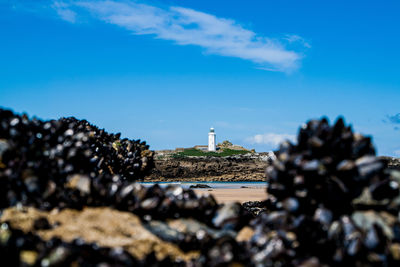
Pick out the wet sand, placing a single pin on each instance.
(241, 195)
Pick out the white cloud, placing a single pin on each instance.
(63, 11)
(271, 139)
(186, 26)
(397, 152)
(293, 38)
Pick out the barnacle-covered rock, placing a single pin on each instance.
(330, 201)
(329, 166)
(38, 159)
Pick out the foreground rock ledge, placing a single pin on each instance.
(104, 226)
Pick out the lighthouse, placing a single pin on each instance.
(211, 140)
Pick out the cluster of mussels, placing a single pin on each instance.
(69, 163)
(37, 158)
(330, 201)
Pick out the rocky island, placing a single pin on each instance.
(242, 167)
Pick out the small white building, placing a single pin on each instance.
(211, 140)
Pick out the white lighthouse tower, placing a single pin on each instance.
(211, 140)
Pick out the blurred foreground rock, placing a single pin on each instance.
(330, 201)
(69, 198)
(104, 226)
(38, 158)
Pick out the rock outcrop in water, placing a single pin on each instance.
(330, 202)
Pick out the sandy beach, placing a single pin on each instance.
(241, 195)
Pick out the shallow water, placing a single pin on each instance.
(215, 185)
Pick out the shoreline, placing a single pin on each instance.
(224, 195)
(200, 182)
(224, 191)
(201, 179)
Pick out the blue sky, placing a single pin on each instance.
(166, 71)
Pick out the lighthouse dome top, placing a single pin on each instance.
(211, 130)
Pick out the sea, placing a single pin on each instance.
(215, 185)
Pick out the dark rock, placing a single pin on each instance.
(255, 207)
(199, 186)
(41, 224)
(231, 216)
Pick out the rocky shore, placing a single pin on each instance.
(70, 197)
(246, 167)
